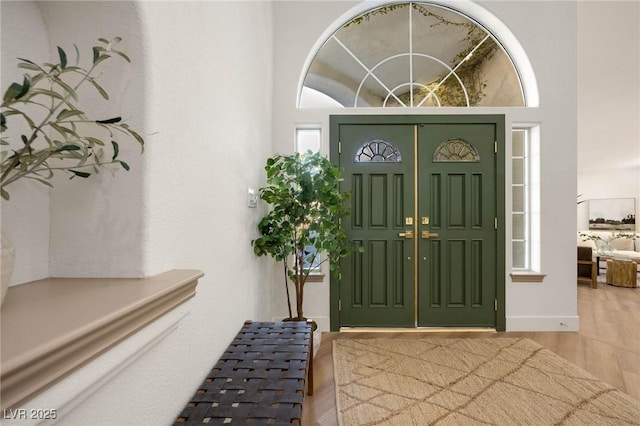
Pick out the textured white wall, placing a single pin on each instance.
(546, 306)
(97, 224)
(200, 88)
(25, 219)
(608, 103)
(540, 306)
(208, 100)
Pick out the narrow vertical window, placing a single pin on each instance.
(520, 200)
(308, 139)
(525, 208)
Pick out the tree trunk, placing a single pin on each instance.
(286, 286)
(299, 296)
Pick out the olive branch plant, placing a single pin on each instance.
(59, 135)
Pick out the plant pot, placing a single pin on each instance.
(7, 262)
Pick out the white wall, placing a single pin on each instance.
(25, 218)
(529, 306)
(608, 103)
(97, 223)
(200, 89)
(208, 100)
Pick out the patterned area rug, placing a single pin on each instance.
(496, 381)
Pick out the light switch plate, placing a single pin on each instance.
(252, 198)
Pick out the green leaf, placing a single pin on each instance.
(124, 165)
(117, 52)
(28, 66)
(73, 69)
(49, 93)
(100, 58)
(110, 120)
(77, 53)
(93, 141)
(96, 54)
(12, 92)
(116, 150)
(68, 148)
(3, 122)
(136, 136)
(66, 113)
(66, 88)
(103, 92)
(4, 194)
(63, 58)
(27, 61)
(63, 130)
(79, 174)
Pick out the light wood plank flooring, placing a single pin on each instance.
(607, 346)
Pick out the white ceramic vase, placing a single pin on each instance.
(7, 261)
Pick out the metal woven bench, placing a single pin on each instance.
(260, 379)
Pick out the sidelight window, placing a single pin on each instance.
(525, 196)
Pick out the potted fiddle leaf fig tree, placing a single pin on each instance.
(46, 131)
(302, 228)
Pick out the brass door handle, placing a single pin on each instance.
(406, 234)
(427, 234)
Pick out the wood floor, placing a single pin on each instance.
(607, 346)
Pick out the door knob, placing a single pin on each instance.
(427, 234)
(406, 234)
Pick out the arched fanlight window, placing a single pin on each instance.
(378, 151)
(455, 150)
(413, 54)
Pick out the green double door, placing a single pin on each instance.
(427, 194)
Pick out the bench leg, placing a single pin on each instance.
(310, 367)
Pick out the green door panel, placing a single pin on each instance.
(377, 285)
(456, 273)
(441, 178)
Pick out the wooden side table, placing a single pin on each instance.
(621, 273)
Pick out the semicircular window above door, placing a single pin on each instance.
(413, 54)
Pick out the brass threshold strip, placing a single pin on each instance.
(417, 330)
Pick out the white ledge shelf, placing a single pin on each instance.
(51, 327)
(527, 277)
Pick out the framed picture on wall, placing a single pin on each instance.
(612, 214)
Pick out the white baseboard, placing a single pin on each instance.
(518, 323)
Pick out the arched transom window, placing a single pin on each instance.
(412, 54)
(378, 151)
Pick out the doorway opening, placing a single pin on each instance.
(427, 208)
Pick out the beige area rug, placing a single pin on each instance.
(496, 381)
